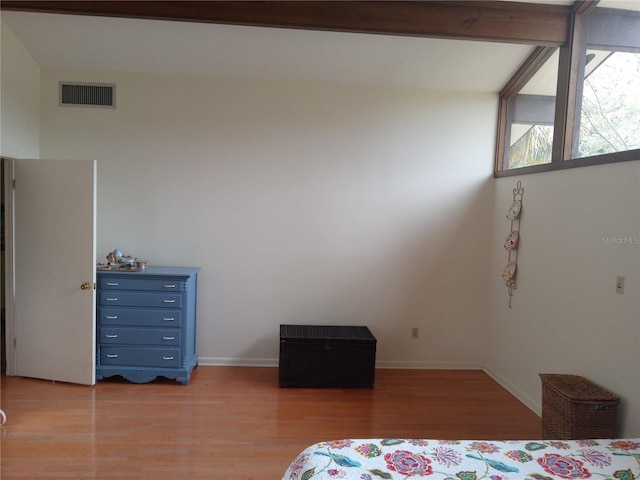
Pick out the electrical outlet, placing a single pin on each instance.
(415, 331)
(620, 285)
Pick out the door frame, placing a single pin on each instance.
(8, 280)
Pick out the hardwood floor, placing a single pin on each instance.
(235, 423)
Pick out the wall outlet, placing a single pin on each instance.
(415, 332)
(620, 285)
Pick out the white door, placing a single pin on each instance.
(54, 270)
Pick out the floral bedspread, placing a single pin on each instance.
(395, 459)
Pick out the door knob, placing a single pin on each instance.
(86, 286)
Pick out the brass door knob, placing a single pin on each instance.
(86, 286)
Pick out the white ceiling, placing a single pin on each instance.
(120, 44)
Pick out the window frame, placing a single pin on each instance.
(568, 103)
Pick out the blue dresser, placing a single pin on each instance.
(147, 324)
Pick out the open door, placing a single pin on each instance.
(53, 258)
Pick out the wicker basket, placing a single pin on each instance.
(573, 408)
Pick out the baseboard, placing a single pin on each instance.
(534, 405)
(273, 362)
(429, 365)
(237, 362)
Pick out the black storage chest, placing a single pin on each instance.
(326, 356)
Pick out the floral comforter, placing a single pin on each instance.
(396, 459)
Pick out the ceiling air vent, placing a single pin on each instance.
(87, 95)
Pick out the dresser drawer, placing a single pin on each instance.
(144, 318)
(162, 285)
(140, 356)
(139, 336)
(141, 299)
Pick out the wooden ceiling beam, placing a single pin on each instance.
(511, 22)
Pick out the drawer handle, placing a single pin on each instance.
(113, 284)
(111, 336)
(167, 358)
(170, 286)
(111, 317)
(112, 355)
(168, 319)
(168, 338)
(169, 301)
(112, 299)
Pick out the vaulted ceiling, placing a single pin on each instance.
(471, 46)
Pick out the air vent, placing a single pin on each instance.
(87, 95)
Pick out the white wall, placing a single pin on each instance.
(580, 229)
(19, 97)
(302, 203)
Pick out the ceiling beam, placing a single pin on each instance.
(511, 22)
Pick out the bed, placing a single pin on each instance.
(396, 459)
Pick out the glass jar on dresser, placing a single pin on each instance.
(147, 323)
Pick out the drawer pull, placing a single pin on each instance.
(168, 319)
(112, 299)
(168, 338)
(169, 301)
(111, 317)
(113, 284)
(111, 336)
(170, 286)
(112, 355)
(167, 358)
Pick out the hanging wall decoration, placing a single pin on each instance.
(511, 243)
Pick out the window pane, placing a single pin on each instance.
(533, 147)
(531, 114)
(610, 116)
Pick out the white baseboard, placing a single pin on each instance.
(237, 362)
(534, 405)
(429, 365)
(273, 362)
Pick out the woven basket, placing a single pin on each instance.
(574, 408)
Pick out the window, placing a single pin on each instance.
(610, 110)
(531, 112)
(577, 105)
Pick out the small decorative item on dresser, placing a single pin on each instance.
(116, 261)
(573, 408)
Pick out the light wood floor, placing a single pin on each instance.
(235, 423)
